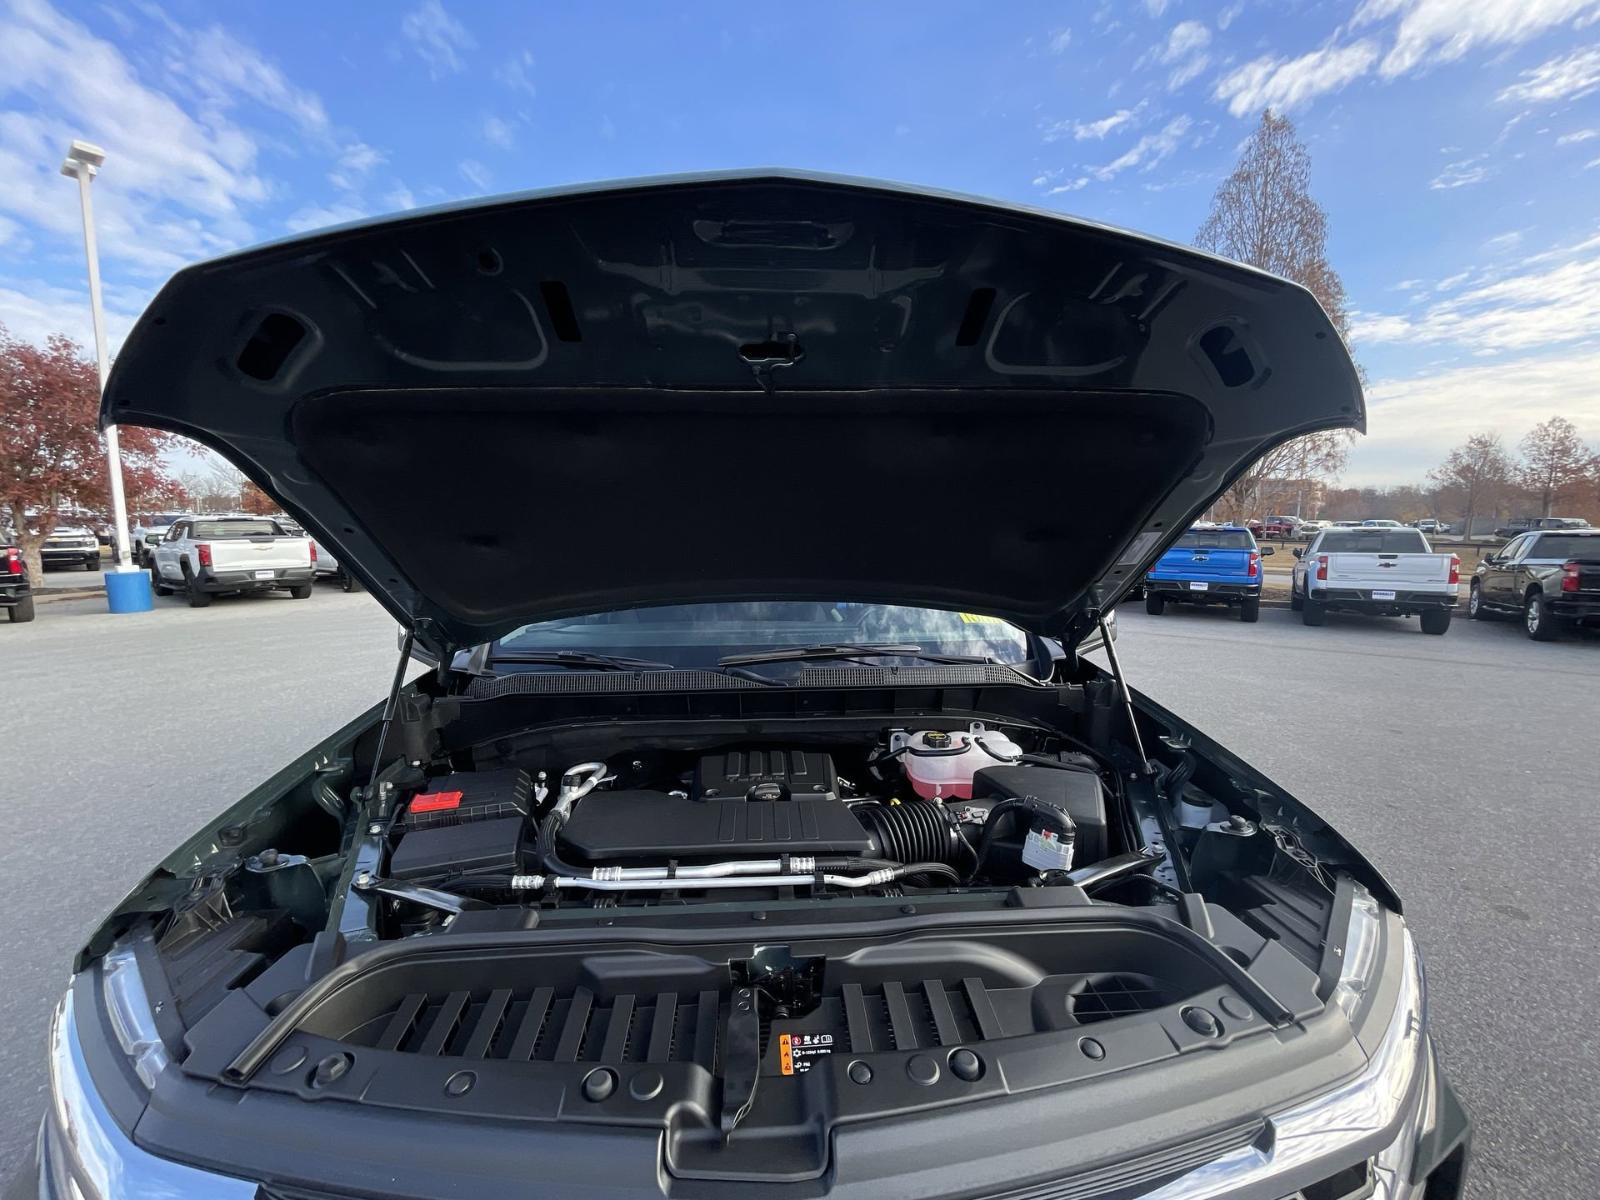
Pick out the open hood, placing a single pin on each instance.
(731, 387)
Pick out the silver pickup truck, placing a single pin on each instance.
(204, 556)
(1381, 571)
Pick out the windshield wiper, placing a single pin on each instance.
(835, 651)
(823, 651)
(582, 659)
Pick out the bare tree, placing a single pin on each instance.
(1263, 214)
(1555, 462)
(1475, 475)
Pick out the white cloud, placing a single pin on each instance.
(517, 73)
(356, 161)
(1544, 301)
(1413, 422)
(1084, 131)
(320, 216)
(475, 173)
(1461, 174)
(438, 38)
(1229, 15)
(1591, 164)
(1285, 84)
(400, 197)
(1186, 47)
(1436, 31)
(1567, 78)
(222, 66)
(175, 187)
(1508, 240)
(1578, 135)
(1059, 41)
(32, 310)
(1186, 37)
(1145, 154)
(1155, 7)
(499, 132)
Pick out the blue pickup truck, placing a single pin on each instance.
(1209, 565)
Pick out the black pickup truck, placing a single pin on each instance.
(16, 592)
(1550, 579)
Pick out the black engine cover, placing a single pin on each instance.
(747, 804)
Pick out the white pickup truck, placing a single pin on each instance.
(203, 556)
(1384, 571)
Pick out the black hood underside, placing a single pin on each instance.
(750, 386)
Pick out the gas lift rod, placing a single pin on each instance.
(392, 703)
(1122, 687)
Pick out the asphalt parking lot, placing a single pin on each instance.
(1465, 766)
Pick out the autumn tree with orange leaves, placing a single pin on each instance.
(52, 456)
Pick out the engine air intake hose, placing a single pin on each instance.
(919, 832)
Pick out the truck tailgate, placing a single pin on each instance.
(259, 553)
(1387, 570)
(1206, 562)
(1588, 587)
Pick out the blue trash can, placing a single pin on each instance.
(128, 591)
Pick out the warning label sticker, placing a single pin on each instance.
(799, 1052)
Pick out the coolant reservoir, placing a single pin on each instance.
(941, 765)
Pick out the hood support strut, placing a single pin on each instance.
(389, 706)
(1122, 690)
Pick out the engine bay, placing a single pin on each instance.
(743, 924)
(887, 812)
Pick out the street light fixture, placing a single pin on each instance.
(83, 162)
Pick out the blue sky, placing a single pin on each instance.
(1455, 143)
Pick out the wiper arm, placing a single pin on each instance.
(834, 651)
(822, 652)
(581, 659)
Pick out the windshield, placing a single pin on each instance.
(697, 635)
(1373, 541)
(1216, 539)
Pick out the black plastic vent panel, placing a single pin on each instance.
(573, 683)
(542, 1025)
(1106, 997)
(975, 675)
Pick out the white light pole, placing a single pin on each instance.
(83, 162)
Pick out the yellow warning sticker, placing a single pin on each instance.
(979, 619)
(799, 1052)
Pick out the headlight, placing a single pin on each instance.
(1340, 1124)
(85, 1154)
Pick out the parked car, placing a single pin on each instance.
(1380, 570)
(1429, 525)
(1550, 579)
(1524, 524)
(1219, 565)
(144, 536)
(16, 589)
(71, 546)
(327, 566)
(1279, 527)
(1307, 528)
(204, 556)
(720, 967)
(1382, 523)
